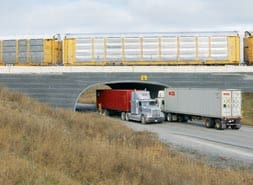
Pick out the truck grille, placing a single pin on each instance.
(155, 113)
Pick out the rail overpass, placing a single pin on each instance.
(61, 86)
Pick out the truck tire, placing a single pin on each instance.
(236, 127)
(123, 116)
(127, 117)
(143, 120)
(218, 124)
(169, 117)
(209, 123)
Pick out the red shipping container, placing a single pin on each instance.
(114, 99)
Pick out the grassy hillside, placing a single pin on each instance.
(39, 145)
(247, 108)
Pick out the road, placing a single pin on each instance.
(228, 146)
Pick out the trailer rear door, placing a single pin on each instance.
(231, 103)
(226, 103)
(236, 103)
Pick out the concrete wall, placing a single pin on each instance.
(61, 89)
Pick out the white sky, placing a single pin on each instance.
(45, 17)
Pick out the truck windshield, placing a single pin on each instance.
(148, 103)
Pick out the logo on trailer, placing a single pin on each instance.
(172, 93)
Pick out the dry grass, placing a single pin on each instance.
(39, 145)
(247, 108)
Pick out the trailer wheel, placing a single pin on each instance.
(123, 116)
(209, 123)
(235, 127)
(143, 119)
(218, 124)
(169, 117)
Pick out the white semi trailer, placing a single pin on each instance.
(217, 108)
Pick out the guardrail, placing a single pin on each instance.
(124, 69)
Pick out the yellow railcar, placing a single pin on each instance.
(248, 48)
(209, 48)
(30, 52)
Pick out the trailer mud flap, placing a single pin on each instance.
(223, 124)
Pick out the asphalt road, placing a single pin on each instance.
(230, 147)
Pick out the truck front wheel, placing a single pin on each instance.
(143, 119)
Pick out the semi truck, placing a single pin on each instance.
(219, 108)
(131, 104)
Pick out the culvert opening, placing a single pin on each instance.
(86, 101)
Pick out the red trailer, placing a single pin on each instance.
(118, 100)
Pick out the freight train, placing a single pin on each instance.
(205, 48)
